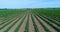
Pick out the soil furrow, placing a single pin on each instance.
(31, 27)
(14, 27)
(9, 25)
(41, 29)
(12, 24)
(47, 25)
(22, 29)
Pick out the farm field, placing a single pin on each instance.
(30, 20)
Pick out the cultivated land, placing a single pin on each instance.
(30, 20)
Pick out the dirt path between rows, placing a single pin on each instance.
(31, 27)
(15, 26)
(6, 20)
(22, 29)
(41, 29)
(9, 24)
(1, 31)
(47, 25)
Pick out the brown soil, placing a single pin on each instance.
(31, 27)
(41, 29)
(47, 25)
(9, 25)
(22, 29)
(14, 27)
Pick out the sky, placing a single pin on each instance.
(29, 3)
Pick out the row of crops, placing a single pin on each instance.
(30, 20)
(52, 13)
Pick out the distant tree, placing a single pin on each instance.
(5, 8)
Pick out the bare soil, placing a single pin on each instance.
(9, 24)
(31, 27)
(47, 25)
(15, 26)
(22, 29)
(41, 29)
